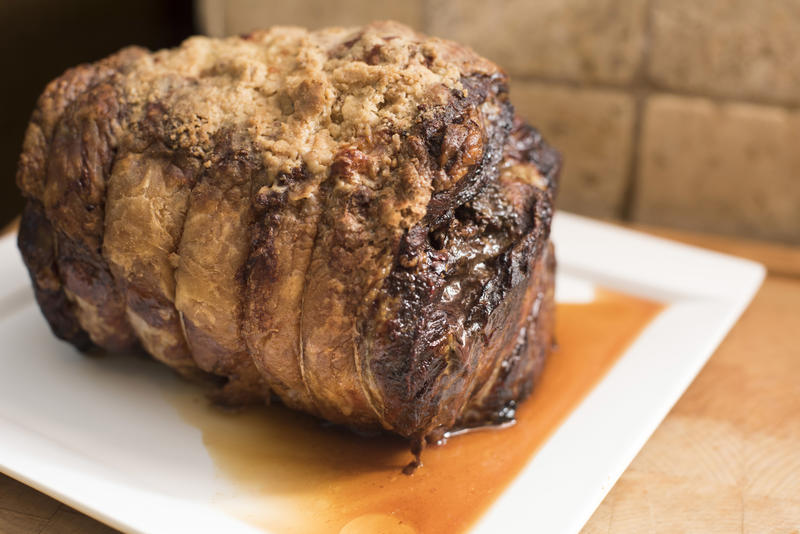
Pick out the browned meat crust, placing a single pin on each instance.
(350, 220)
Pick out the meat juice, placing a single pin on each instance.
(290, 473)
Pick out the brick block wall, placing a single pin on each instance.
(670, 112)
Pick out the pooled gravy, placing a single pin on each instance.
(293, 474)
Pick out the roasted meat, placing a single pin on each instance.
(351, 221)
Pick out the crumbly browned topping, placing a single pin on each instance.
(292, 95)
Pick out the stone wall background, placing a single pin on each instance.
(669, 112)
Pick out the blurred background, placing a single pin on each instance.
(40, 39)
(669, 112)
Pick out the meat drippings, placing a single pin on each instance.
(291, 473)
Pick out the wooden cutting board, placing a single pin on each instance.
(726, 458)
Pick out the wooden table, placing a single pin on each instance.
(726, 458)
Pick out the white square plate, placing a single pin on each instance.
(102, 436)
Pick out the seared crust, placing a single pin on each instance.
(350, 220)
(65, 267)
(461, 302)
(36, 243)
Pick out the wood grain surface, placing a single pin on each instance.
(726, 458)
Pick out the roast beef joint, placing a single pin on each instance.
(350, 221)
